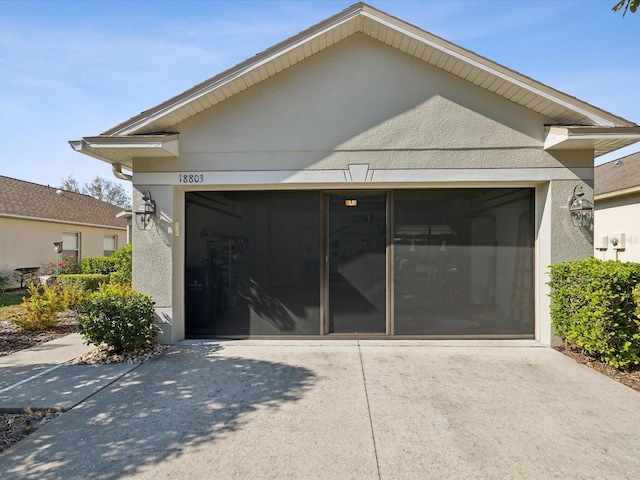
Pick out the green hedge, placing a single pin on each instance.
(594, 307)
(88, 282)
(123, 258)
(104, 265)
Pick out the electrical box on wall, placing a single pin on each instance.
(604, 243)
(618, 241)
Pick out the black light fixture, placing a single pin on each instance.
(145, 212)
(580, 209)
(57, 247)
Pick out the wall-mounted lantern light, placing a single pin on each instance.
(145, 211)
(57, 247)
(580, 209)
(351, 202)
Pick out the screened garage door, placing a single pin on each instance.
(430, 262)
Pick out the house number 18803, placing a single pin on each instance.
(191, 178)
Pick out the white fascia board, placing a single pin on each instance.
(598, 116)
(562, 138)
(144, 146)
(80, 147)
(147, 145)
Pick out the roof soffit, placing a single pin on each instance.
(599, 139)
(361, 18)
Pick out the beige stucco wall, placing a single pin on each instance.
(29, 243)
(557, 240)
(613, 217)
(360, 103)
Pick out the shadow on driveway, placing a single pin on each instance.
(188, 397)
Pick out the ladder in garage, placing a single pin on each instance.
(522, 292)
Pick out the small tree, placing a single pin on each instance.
(99, 188)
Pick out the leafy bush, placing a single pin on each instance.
(68, 264)
(594, 307)
(119, 317)
(73, 295)
(42, 308)
(89, 282)
(102, 265)
(123, 260)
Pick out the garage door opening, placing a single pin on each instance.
(252, 263)
(428, 262)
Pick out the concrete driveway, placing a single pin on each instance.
(344, 410)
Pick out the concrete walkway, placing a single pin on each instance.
(344, 410)
(37, 378)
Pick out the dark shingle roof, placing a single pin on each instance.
(26, 199)
(617, 175)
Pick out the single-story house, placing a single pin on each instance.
(362, 179)
(617, 209)
(42, 225)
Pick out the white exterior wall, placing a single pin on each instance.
(613, 217)
(360, 115)
(29, 243)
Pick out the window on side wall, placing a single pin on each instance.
(71, 245)
(110, 244)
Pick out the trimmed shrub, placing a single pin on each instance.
(119, 317)
(73, 295)
(123, 261)
(87, 282)
(42, 308)
(594, 307)
(103, 265)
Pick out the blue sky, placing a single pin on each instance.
(70, 69)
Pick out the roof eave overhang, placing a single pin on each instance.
(516, 87)
(617, 193)
(56, 220)
(121, 150)
(601, 140)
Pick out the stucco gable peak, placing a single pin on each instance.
(364, 19)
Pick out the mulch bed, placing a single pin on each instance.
(15, 426)
(629, 378)
(13, 338)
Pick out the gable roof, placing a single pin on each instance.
(618, 177)
(156, 123)
(26, 200)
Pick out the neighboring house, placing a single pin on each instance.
(362, 179)
(34, 217)
(617, 209)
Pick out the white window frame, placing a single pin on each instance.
(65, 245)
(108, 252)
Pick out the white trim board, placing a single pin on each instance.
(427, 175)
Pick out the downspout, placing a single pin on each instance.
(116, 168)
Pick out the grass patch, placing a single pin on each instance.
(8, 299)
(10, 304)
